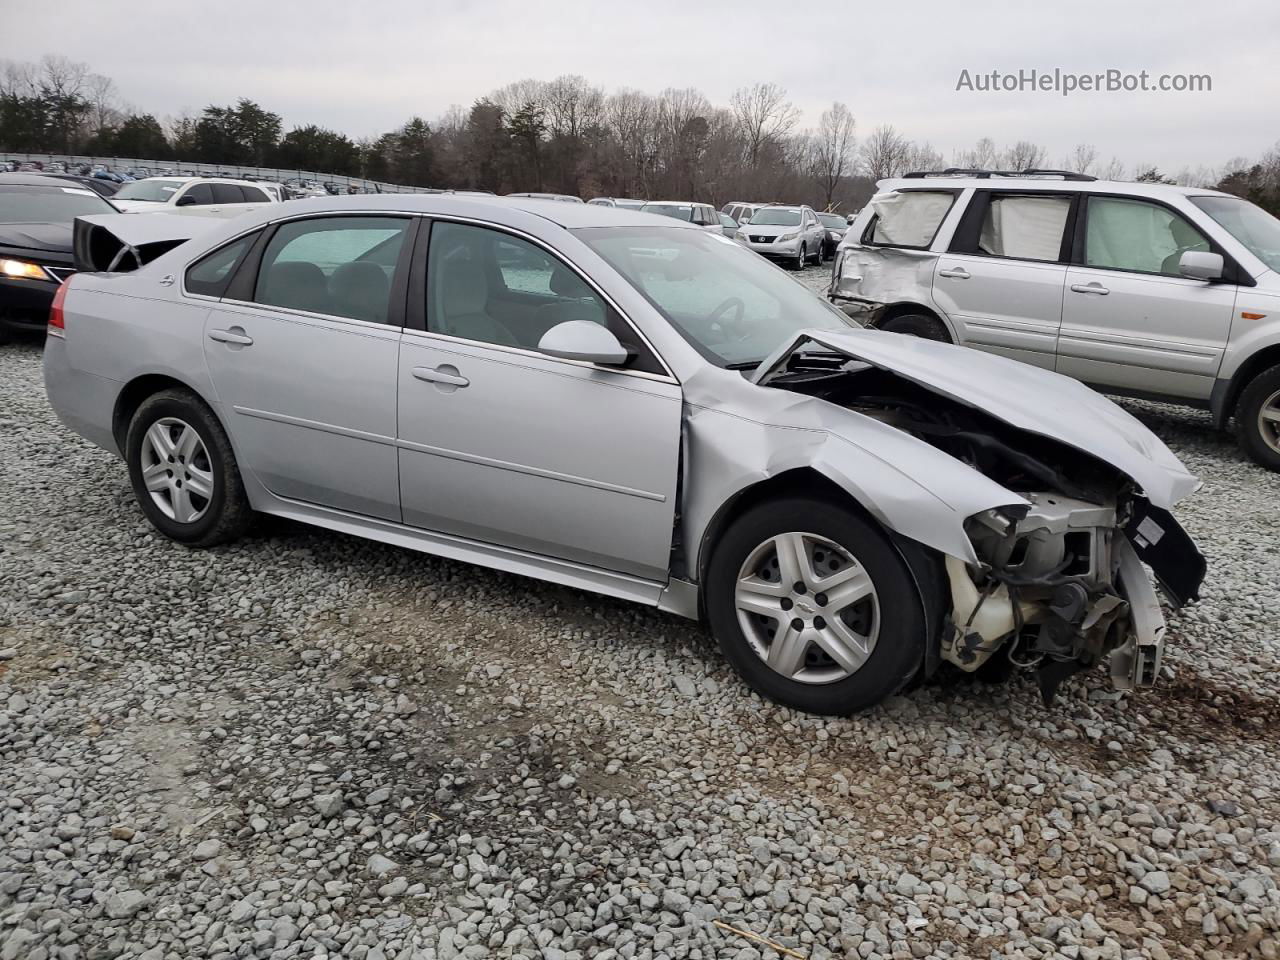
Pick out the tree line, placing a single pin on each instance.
(562, 136)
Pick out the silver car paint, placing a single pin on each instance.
(735, 432)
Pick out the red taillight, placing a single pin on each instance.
(57, 324)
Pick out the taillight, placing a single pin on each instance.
(57, 323)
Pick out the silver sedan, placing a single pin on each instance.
(628, 406)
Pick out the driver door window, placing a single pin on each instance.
(1138, 237)
(495, 288)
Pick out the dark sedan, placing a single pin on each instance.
(36, 212)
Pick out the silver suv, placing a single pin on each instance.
(1140, 289)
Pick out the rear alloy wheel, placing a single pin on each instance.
(916, 325)
(1259, 418)
(183, 471)
(814, 607)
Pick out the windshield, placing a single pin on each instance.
(733, 307)
(22, 204)
(1248, 223)
(833, 220)
(776, 217)
(670, 210)
(157, 191)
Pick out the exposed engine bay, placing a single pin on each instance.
(1060, 584)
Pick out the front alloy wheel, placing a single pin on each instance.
(807, 607)
(1258, 415)
(815, 607)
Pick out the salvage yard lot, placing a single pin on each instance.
(316, 746)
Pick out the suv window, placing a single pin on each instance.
(1135, 235)
(340, 266)
(200, 195)
(226, 193)
(907, 218)
(489, 286)
(1025, 228)
(254, 195)
(210, 275)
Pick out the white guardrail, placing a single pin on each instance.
(185, 168)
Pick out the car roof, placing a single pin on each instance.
(1040, 184)
(680, 203)
(510, 211)
(26, 179)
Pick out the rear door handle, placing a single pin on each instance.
(955, 273)
(441, 375)
(1094, 287)
(234, 335)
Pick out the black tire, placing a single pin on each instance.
(917, 325)
(801, 257)
(226, 514)
(901, 644)
(1263, 391)
(6, 332)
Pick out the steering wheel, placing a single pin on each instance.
(718, 315)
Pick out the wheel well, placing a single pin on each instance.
(925, 564)
(903, 309)
(1260, 362)
(131, 398)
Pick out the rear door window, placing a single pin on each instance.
(907, 218)
(1024, 228)
(339, 266)
(226, 193)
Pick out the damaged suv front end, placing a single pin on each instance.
(1053, 579)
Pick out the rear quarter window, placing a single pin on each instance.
(907, 218)
(211, 274)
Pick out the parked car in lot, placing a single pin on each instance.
(621, 202)
(793, 235)
(1141, 289)
(104, 188)
(699, 214)
(563, 197)
(728, 225)
(836, 225)
(742, 212)
(632, 406)
(36, 211)
(194, 196)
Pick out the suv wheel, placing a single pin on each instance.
(801, 257)
(814, 608)
(917, 325)
(183, 471)
(1259, 418)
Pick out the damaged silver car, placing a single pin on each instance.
(638, 409)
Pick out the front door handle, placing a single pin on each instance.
(1094, 287)
(234, 335)
(955, 273)
(442, 374)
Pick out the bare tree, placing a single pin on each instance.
(884, 153)
(764, 115)
(1025, 155)
(104, 114)
(1083, 158)
(1115, 170)
(983, 156)
(833, 149)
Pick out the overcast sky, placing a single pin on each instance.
(364, 68)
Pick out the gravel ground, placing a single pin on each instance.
(309, 745)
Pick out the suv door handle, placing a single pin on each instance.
(1093, 287)
(234, 335)
(955, 273)
(440, 375)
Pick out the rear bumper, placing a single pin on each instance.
(83, 401)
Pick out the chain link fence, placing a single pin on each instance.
(183, 168)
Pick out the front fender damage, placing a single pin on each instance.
(1042, 498)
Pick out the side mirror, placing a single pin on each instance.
(1199, 265)
(583, 340)
(186, 201)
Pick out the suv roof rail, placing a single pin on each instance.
(987, 174)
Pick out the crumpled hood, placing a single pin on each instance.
(1021, 395)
